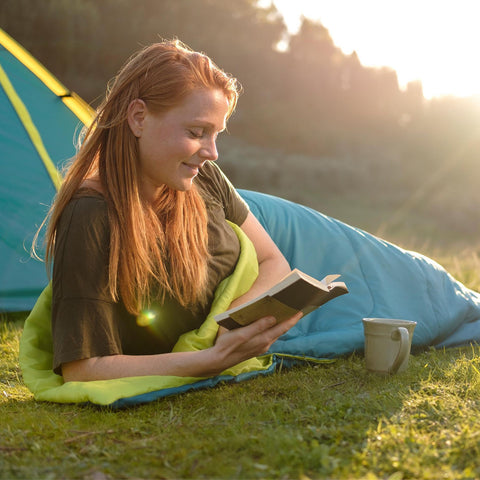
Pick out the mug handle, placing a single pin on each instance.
(401, 332)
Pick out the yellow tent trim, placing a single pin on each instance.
(78, 106)
(32, 131)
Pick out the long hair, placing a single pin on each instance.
(164, 243)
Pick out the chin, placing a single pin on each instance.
(184, 186)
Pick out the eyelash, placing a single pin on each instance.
(195, 135)
(200, 135)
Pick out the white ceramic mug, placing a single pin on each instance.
(387, 344)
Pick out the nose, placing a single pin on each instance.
(209, 150)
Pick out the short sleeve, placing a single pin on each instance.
(218, 186)
(85, 319)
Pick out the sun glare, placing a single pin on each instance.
(431, 41)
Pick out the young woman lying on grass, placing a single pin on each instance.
(139, 228)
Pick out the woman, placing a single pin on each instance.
(138, 234)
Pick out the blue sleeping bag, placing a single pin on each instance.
(383, 279)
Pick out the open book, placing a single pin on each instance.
(297, 291)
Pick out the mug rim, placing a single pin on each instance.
(388, 321)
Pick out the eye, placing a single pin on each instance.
(196, 133)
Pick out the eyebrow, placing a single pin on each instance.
(208, 124)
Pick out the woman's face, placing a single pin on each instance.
(173, 146)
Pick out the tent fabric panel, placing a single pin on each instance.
(45, 108)
(24, 115)
(26, 189)
(21, 179)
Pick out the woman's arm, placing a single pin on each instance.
(230, 349)
(272, 265)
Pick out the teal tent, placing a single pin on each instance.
(38, 121)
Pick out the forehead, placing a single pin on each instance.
(203, 106)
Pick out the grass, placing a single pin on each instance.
(323, 421)
(329, 421)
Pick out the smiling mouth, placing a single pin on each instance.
(194, 168)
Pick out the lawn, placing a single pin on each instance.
(316, 421)
(328, 421)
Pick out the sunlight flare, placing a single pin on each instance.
(434, 42)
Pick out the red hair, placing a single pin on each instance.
(166, 242)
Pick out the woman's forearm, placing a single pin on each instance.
(185, 364)
(272, 265)
(231, 348)
(270, 271)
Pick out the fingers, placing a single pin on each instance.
(277, 330)
(283, 327)
(269, 327)
(269, 324)
(254, 339)
(259, 326)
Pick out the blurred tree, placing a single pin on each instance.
(311, 98)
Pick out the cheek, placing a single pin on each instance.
(183, 146)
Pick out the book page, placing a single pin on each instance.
(264, 307)
(329, 279)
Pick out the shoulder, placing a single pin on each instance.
(86, 213)
(87, 204)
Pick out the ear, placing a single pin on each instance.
(137, 111)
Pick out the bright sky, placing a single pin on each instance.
(434, 41)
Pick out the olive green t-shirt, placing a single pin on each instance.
(86, 322)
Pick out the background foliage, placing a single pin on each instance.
(346, 132)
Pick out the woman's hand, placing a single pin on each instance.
(235, 346)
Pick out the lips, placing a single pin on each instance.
(194, 168)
